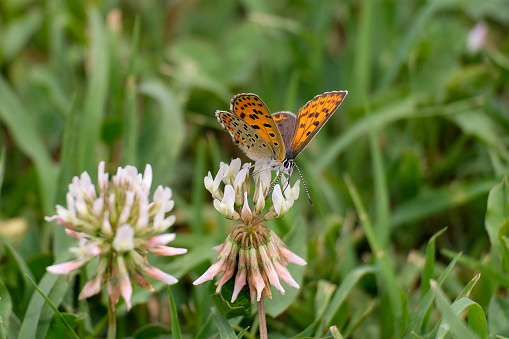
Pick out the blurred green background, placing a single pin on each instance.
(422, 136)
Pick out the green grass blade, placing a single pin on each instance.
(5, 308)
(383, 226)
(465, 293)
(129, 155)
(497, 212)
(500, 277)
(347, 285)
(55, 309)
(199, 172)
(166, 144)
(223, 326)
(2, 169)
(204, 328)
(22, 127)
(241, 333)
(130, 103)
(33, 313)
(23, 268)
(97, 89)
(418, 316)
(324, 293)
(380, 253)
(455, 325)
(429, 264)
(19, 32)
(362, 60)
(175, 327)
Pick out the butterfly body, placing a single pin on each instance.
(278, 138)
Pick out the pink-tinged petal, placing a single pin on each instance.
(88, 248)
(240, 279)
(60, 220)
(92, 287)
(160, 275)
(252, 291)
(126, 290)
(477, 37)
(113, 290)
(167, 250)
(291, 257)
(209, 274)
(259, 285)
(228, 273)
(254, 275)
(269, 270)
(160, 240)
(246, 215)
(285, 275)
(74, 234)
(141, 281)
(218, 248)
(66, 267)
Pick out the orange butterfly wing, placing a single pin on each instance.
(251, 109)
(312, 117)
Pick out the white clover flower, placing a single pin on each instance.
(255, 254)
(118, 225)
(231, 171)
(225, 206)
(283, 203)
(477, 37)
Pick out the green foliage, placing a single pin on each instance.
(419, 145)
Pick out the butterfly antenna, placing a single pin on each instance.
(304, 183)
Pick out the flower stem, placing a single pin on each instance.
(112, 319)
(262, 320)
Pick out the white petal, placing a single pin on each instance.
(147, 176)
(277, 199)
(124, 239)
(98, 206)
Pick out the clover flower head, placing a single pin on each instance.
(477, 37)
(118, 225)
(255, 254)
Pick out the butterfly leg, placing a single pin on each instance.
(273, 183)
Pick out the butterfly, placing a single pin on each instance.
(280, 137)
